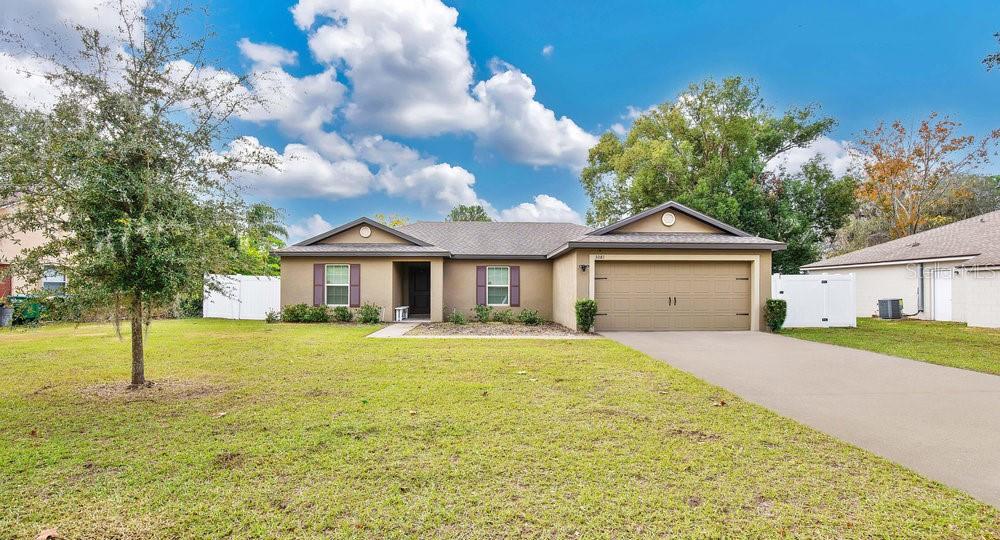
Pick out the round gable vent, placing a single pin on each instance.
(668, 219)
(366, 231)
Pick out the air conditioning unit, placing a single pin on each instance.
(890, 308)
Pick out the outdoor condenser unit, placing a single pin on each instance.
(890, 308)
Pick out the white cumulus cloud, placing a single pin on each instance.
(544, 208)
(524, 130)
(307, 228)
(548, 50)
(836, 154)
(301, 172)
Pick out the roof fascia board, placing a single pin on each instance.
(670, 205)
(627, 245)
(887, 263)
(359, 221)
(362, 254)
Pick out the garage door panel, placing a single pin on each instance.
(638, 295)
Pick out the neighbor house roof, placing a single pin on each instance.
(520, 240)
(977, 239)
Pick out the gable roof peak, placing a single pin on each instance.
(670, 205)
(364, 220)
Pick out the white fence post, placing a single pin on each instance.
(241, 297)
(817, 300)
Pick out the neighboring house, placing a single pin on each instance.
(668, 268)
(951, 273)
(9, 249)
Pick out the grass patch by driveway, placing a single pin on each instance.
(270, 431)
(944, 343)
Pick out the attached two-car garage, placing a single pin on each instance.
(673, 295)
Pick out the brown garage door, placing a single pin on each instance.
(672, 295)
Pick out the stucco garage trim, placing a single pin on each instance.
(754, 260)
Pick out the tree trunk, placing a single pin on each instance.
(138, 367)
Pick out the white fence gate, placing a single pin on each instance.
(241, 297)
(817, 301)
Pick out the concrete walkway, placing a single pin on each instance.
(942, 422)
(400, 329)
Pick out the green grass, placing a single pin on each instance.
(944, 343)
(305, 431)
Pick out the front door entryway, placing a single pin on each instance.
(419, 287)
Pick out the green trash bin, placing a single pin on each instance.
(27, 309)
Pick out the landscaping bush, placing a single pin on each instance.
(317, 314)
(342, 314)
(586, 311)
(530, 317)
(483, 313)
(272, 316)
(294, 313)
(369, 314)
(457, 317)
(774, 313)
(505, 316)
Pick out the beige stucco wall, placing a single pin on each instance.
(980, 295)
(682, 223)
(378, 285)
(460, 284)
(11, 247)
(353, 236)
(873, 283)
(569, 272)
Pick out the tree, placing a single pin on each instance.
(261, 232)
(712, 149)
(121, 176)
(993, 60)
(911, 172)
(474, 212)
(391, 220)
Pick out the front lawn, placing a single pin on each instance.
(944, 343)
(301, 431)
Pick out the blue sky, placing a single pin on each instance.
(411, 110)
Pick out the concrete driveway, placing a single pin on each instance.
(942, 422)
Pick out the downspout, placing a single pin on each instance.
(920, 293)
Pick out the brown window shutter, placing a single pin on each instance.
(515, 286)
(319, 284)
(355, 289)
(480, 285)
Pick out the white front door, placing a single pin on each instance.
(942, 295)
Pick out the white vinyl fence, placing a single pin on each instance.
(817, 301)
(241, 297)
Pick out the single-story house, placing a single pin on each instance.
(668, 268)
(950, 273)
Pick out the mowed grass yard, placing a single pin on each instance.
(944, 343)
(266, 431)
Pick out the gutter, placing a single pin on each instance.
(649, 245)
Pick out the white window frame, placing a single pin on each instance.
(53, 275)
(488, 286)
(327, 285)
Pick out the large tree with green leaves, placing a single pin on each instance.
(471, 212)
(122, 176)
(712, 149)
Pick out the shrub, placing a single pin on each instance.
(369, 314)
(342, 314)
(505, 316)
(586, 311)
(457, 317)
(272, 316)
(483, 313)
(530, 317)
(294, 313)
(774, 313)
(317, 314)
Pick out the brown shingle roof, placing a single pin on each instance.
(371, 250)
(495, 238)
(977, 237)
